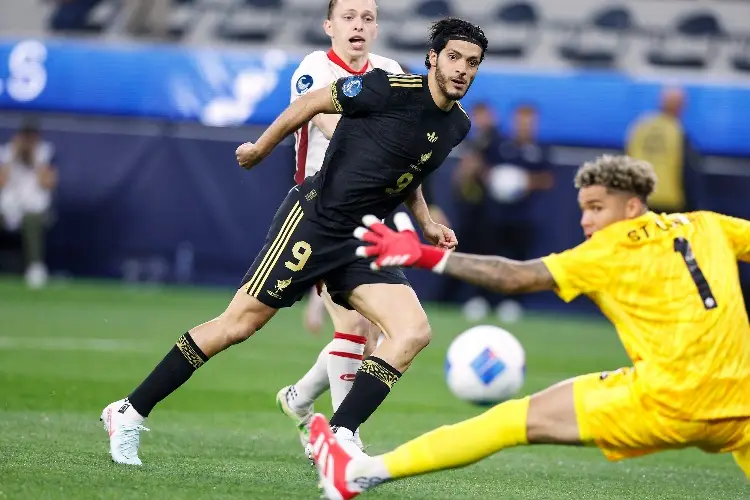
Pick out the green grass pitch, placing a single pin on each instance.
(69, 350)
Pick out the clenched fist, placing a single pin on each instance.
(248, 155)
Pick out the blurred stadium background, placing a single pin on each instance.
(137, 106)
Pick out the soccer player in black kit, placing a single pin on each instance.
(394, 131)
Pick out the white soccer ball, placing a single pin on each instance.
(508, 183)
(485, 365)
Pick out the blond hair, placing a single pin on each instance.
(618, 173)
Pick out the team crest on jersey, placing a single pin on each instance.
(352, 86)
(304, 83)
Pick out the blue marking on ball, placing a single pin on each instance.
(487, 366)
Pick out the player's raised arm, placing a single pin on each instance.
(403, 248)
(354, 95)
(292, 118)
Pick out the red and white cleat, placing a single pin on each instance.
(331, 460)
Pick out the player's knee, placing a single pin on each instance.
(240, 327)
(552, 419)
(414, 337)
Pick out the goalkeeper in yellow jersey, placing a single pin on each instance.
(668, 282)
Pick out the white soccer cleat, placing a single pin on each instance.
(124, 426)
(301, 418)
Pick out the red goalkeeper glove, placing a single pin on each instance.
(403, 248)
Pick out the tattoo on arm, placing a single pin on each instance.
(500, 274)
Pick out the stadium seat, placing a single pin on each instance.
(434, 9)
(513, 30)
(306, 9)
(410, 35)
(741, 60)
(691, 45)
(182, 17)
(80, 16)
(599, 43)
(264, 4)
(251, 23)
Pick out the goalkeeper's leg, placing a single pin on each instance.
(547, 417)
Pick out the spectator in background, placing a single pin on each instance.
(523, 169)
(27, 180)
(472, 225)
(495, 182)
(660, 139)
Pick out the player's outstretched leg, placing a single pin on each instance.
(547, 417)
(335, 367)
(123, 419)
(407, 331)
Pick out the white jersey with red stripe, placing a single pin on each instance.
(317, 70)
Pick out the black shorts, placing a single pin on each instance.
(299, 252)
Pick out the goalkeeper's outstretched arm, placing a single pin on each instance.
(403, 248)
(499, 274)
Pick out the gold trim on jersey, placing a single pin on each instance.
(255, 285)
(412, 81)
(335, 97)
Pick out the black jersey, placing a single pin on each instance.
(390, 137)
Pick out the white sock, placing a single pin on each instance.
(371, 469)
(127, 409)
(344, 359)
(312, 384)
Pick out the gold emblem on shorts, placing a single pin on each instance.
(280, 287)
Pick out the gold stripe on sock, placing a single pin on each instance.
(187, 350)
(379, 371)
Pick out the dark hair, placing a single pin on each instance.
(452, 28)
(618, 173)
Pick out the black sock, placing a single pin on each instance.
(171, 372)
(372, 383)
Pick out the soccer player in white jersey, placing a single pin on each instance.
(352, 26)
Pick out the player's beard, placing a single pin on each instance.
(443, 82)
